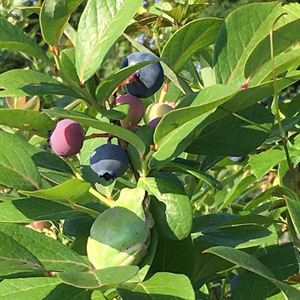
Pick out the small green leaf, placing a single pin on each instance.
(12, 37)
(99, 278)
(263, 162)
(17, 169)
(19, 83)
(53, 18)
(161, 286)
(173, 210)
(100, 25)
(67, 192)
(188, 39)
(252, 264)
(29, 120)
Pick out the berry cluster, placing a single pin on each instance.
(110, 160)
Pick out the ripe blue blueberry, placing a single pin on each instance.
(149, 79)
(109, 161)
(237, 159)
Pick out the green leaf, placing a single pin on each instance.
(182, 166)
(12, 37)
(175, 130)
(67, 192)
(19, 83)
(263, 162)
(17, 169)
(86, 120)
(53, 17)
(188, 39)
(252, 264)
(67, 60)
(24, 210)
(174, 257)
(51, 253)
(237, 190)
(225, 137)
(99, 278)
(100, 25)
(38, 288)
(294, 210)
(282, 62)
(161, 286)
(15, 258)
(283, 38)
(232, 48)
(110, 83)
(172, 208)
(282, 268)
(29, 120)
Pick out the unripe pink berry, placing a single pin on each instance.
(41, 224)
(67, 138)
(136, 109)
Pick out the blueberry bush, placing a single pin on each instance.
(176, 176)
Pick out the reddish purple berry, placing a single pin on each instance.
(66, 138)
(136, 110)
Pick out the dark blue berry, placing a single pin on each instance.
(149, 79)
(109, 161)
(237, 159)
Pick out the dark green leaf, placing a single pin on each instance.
(17, 169)
(252, 264)
(52, 254)
(15, 258)
(282, 268)
(226, 136)
(25, 210)
(174, 257)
